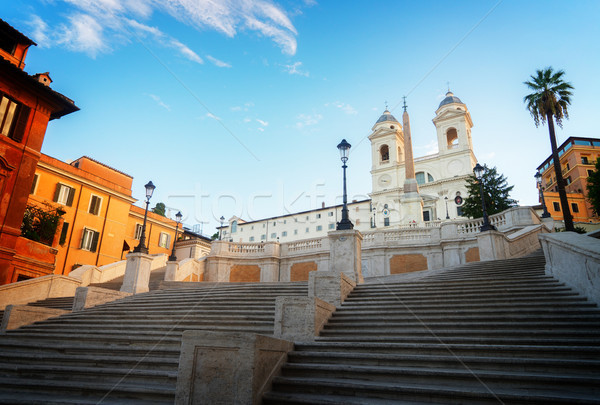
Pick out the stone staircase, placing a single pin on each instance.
(498, 332)
(127, 351)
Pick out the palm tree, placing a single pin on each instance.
(548, 102)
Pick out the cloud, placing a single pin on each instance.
(294, 69)
(95, 26)
(217, 62)
(428, 149)
(263, 123)
(214, 117)
(347, 108)
(261, 129)
(306, 120)
(247, 120)
(159, 101)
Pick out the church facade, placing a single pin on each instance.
(406, 191)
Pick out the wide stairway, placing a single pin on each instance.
(127, 351)
(496, 332)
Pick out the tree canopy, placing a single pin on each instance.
(593, 188)
(496, 191)
(160, 209)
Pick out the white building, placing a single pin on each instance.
(441, 179)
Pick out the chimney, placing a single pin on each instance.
(43, 78)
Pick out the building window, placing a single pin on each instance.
(331, 226)
(251, 238)
(459, 211)
(386, 222)
(263, 237)
(384, 152)
(64, 194)
(138, 231)
(307, 230)
(452, 138)
(584, 160)
(574, 207)
(318, 216)
(234, 227)
(13, 119)
(420, 177)
(556, 206)
(568, 180)
(274, 223)
(89, 240)
(426, 215)
(330, 214)
(295, 232)
(164, 240)
(95, 203)
(36, 177)
(63, 233)
(590, 172)
(285, 221)
(429, 178)
(284, 233)
(273, 235)
(319, 228)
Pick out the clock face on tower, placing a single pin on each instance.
(384, 180)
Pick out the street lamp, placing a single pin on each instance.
(447, 216)
(538, 180)
(221, 228)
(178, 217)
(478, 170)
(345, 223)
(141, 247)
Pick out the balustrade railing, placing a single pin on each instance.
(304, 245)
(246, 248)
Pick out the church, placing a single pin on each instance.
(407, 191)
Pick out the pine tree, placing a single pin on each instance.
(593, 188)
(160, 209)
(495, 189)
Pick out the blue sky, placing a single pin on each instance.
(236, 107)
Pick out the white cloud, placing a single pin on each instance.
(305, 120)
(261, 129)
(214, 117)
(94, 26)
(217, 62)
(428, 149)
(347, 108)
(159, 101)
(294, 69)
(247, 120)
(263, 123)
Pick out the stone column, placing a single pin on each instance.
(345, 253)
(492, 245)
(137, 273)
(171, 273)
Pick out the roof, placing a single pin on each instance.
(450, 98)
(4, 26)
(65, 105)
(594, 142)
(387, 116)
(101, 164)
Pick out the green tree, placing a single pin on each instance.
(548, 103)
(215, 236)
(40, 223)
(160, 209)
(495, 189)
(593, 188)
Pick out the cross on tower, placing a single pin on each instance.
(404, 106)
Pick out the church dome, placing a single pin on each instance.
(450, 98)
(386, 116)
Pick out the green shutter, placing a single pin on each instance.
(94, 241)
(63, 233)
(70, 197)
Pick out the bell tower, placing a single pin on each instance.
(453, 123)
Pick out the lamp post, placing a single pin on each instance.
(222, 219)
(141, 247)
(178, 217)
(538, 180)
(447, 216)
(345, 223)
(478, 170)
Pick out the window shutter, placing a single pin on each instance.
(57, 192)
(168, 241)
(70, 197)
(63, 234)
(83, 238)
(95, 236)
(21, 125)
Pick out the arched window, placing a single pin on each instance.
(452, 138)
(234, 227)
(429, 178)
(421, 176)
(384, 152)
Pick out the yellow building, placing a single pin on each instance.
(577, 158)
(101, 224)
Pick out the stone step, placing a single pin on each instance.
(467, 283)
(473, 305)
(143, 325)
(461, 339)
(132, 375)
(96, 312)
(492, 300)
(411, 393)
(465, 293)
(502, 349)
(97, 359)
(448, 377)
(577, 367)
(163, 349)
(342, 317)
(530, 310)
(55, 390)
(443, 333)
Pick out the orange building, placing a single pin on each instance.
(577, 158)
(101, 224)
(27, 104)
